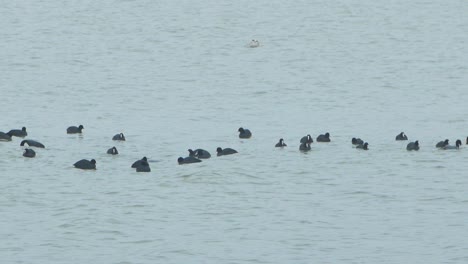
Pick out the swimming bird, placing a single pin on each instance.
(305, 146)
(202, 154)
(254, 43)
(307, 139)
(138, 162)
(244, 133)
(112, 151)
(442, 144)
(363, 146)
(85, 164)
(143, 166)
(75, 130)
(226, 151)
(401, 136)
(29, 153)
(32, 143)
(119, 137)
(357, 141)
(413, 146)
(187, 160)
(4, 137)
(324, 138)
(18, 132)
(199, 153)
(280, 143)
(458, 143)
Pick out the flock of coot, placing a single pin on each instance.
(197, 155)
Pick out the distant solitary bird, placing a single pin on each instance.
(75, 130)
(254, 43)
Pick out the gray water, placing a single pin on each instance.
(173, 75)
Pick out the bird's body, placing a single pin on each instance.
(85, 164)
(112, 151)
(413, 146)
(18, 132)
(32, 143)
(75, 129)
(226, 151)
(29, 153)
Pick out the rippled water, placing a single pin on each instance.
(173, 75)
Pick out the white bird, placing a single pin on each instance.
(254, 43)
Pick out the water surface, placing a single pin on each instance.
(178, 75)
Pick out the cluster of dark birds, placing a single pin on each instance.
(360, 144)
(444, 144)
(197, 155)
(139, 165)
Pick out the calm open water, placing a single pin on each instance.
(173, 75)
